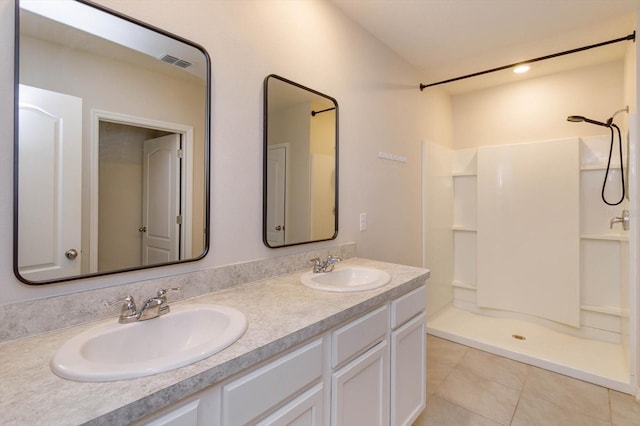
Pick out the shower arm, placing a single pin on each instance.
(625, 109)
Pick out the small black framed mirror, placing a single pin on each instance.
(300, 192)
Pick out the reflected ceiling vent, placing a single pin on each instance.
(175, 61)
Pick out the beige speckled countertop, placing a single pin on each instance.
(280, 311)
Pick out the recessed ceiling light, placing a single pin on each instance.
(521, 69)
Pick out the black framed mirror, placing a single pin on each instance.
(300, 192)
(111, 145)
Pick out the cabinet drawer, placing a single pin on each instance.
(195, 410)
(307, 410)
(406, 307)
(359, 335)
(186, 415)
(257, 392)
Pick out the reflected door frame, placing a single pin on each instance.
(187, 177)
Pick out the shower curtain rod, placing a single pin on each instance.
(631, 36)
(313, 113)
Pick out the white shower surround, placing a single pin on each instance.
(528, 236)
(607, 316)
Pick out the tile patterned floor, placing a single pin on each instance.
(467, 387)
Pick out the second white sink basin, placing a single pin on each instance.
(114, 351)
(347, 279)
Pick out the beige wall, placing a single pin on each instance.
(537, 109)
(381, 109)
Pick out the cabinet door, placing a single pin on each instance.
(360, 390)
(408, 371)
(305, 410)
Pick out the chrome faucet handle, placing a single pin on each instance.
(128, 312)
(163, 291)
(155, 306)
(331, 263)
(127, 303)
(317, 265)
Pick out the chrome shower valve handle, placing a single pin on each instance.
(624, 220)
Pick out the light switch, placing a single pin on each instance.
(363, 221)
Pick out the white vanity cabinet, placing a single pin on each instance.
(370, 371)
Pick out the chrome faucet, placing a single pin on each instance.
(152, 307)
(326, 266)
(624, 219)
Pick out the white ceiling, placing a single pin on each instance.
(450, 38)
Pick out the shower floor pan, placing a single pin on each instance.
(602, 363)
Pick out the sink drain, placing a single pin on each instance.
(518, 336)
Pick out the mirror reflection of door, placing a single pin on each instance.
(276, 190)
(50, 164)
(132, 219)
(161, 217)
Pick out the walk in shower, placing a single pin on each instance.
(527, 259)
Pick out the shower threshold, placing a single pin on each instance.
(605, 364)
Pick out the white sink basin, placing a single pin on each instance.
(347, 279)
(115, 351)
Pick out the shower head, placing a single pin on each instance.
(579, 118)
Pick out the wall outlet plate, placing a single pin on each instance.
(363, 221)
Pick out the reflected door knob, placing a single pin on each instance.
(278, 228)
(142, 229)
(71, 254)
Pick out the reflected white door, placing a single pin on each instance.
(161, 200)
(50, 184)
(276, 195)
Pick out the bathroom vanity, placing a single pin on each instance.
(308, 357)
